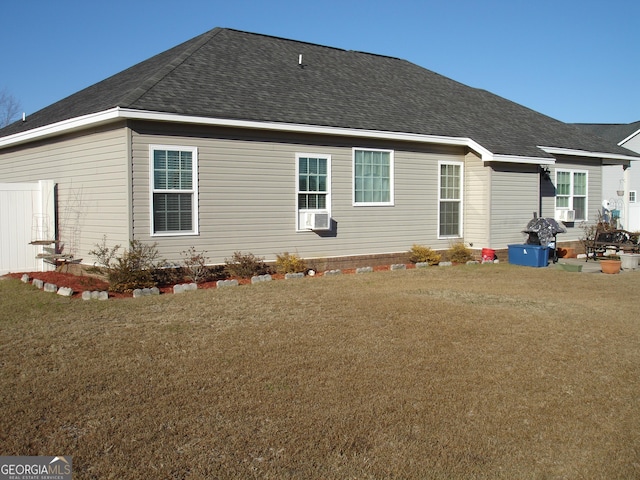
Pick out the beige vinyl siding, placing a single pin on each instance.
(477, 212)
(91, 173)
(247, 195)
(514, 199)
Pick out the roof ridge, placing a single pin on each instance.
(153, 79)
(292, 40)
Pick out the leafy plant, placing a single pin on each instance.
(195, 264)
(422, 254)
(459, 253)
(245, 265)
(290, 263)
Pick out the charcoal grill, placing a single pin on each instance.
(543, 231)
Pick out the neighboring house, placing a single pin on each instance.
(236, 141)
(621, 186)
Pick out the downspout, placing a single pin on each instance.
(625, 200)
(129, 160)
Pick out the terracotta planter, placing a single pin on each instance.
(610, 266)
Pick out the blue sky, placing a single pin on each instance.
(574, 60)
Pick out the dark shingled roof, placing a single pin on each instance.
(614, 132)
(230, 74)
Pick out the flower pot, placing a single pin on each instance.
(610, 266)
(629, 261)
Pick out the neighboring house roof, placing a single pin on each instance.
(228, 74)
(616, 133)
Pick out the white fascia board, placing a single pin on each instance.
(585, 153)
(519, 159)
(65, 126)
(114, 114)
(315, 129)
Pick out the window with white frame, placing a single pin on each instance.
(372, 177)
(313, 173)
(571, 192)
(174, 194)
(632, 196)
(450, 199)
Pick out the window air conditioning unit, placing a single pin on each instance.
(566, 215)
(317, 221)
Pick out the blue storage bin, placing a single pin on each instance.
(529, 255)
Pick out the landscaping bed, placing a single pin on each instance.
(82, 283)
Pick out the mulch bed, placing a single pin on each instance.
(82, 283)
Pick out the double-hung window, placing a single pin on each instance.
(174, 194)
(313, 174)
(571, 192)
(450, 200)
(372, 177)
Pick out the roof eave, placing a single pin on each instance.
(117, 113)
(114, 114)
(605, 157)
(629, 138)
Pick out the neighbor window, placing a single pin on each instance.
(571, 192)
(450, 199)
(372, 177)
(313, 183)
(174, 204)
(632, 196)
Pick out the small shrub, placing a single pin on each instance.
(133, 269)
(290, 263)
(245, 265)
(459, 253)
(420, 253)
(104, 256)
(195, 265)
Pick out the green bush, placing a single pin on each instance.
(290, 263)
(422, 254)
(459, 253)
(245, 265)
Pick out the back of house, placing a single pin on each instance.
(234, 141)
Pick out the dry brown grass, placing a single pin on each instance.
(468, 372)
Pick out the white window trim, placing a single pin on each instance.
(392, 181)
(634, 194)
(461, 201)
(193, 191)
(572, 195)
(297, 180)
